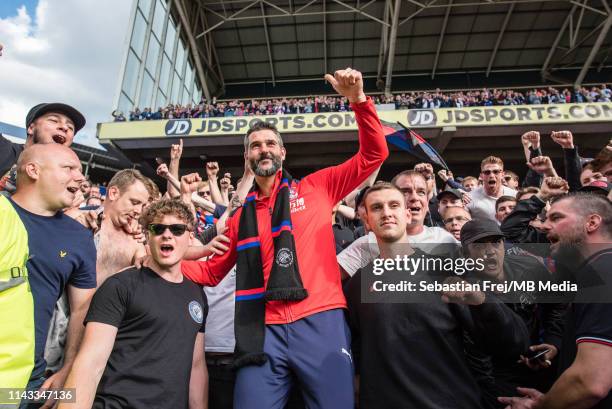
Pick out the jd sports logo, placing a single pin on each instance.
(422, 117)
(178, 127)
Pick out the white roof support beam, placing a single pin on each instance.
(384, 40)
(392, 42)
(553, 48)
(324, 40)
(441, 39)
(212, 59)
(292, 12)
(500, 36)
(194, 48)
(600, 39)
(265, 27)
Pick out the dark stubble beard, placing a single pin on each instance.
(276, 165)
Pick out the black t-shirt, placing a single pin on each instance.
(157, 321)
(343, 236)
(409, 355)
(590, 322)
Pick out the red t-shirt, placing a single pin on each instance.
(311, 203)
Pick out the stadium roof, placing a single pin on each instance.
(244, 43)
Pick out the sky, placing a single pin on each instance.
(67, 51)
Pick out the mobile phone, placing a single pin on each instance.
(539, 355)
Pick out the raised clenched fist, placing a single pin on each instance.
(189, 183)
(553, 187)
(531, 138)
(563, 138)
(177, 150)
(212, 168)
(424, 169)
(348, 83)
(443, 175)
(542, 165)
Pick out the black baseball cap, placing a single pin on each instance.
(455, 192)
(475, 230)
(598, 187)
(44, 108)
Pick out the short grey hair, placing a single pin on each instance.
(260, 126)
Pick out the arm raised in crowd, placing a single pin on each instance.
(224, 185)
(175, 157)
(164, 172)
(542, 165)
(212, 169)
(350, 198)
(516, 227)
(342, 179)
(531, 147)
(571, 159)
(447, 178)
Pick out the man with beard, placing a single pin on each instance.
(482, 205)
(432, 240)
(45, 123)
(410, 347)
(42, 252)
(581, 222)
(283, 244)
(523, 224)
(482, 239)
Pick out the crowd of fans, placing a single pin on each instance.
(142, 344)
(404, 100)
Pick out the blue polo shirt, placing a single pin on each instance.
(54, 251)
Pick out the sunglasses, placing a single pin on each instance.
(507, 178)
(204, 193)
(489, 171)
(159, 229)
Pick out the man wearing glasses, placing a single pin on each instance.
(144, 336)
(511, 180)
(454, 218)
(482, 205)
(204, 218)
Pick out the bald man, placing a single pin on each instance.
(43, 252)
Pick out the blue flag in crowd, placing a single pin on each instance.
(408, 140)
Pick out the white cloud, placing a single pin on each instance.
(64, 51)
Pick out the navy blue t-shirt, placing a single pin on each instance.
(62, 253)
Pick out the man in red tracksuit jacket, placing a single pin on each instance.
(308, 339)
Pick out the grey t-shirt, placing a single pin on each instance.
(220, 322)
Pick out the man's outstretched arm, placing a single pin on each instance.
(342, 179)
